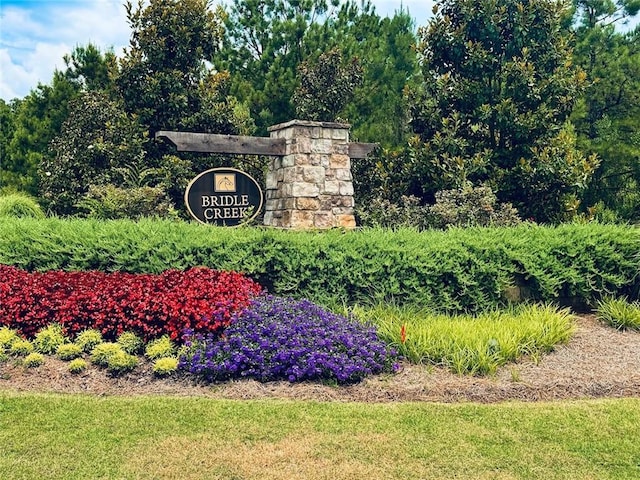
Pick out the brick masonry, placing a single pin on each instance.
(311, 186)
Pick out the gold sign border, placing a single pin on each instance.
(186, 196)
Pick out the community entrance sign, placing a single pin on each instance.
(308, 184)
(223, 196)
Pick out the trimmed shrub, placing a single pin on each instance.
(33, 360)
(112, 202)
(87, 340)
(101, 353)
(161, 347)
(471, 206)
(200, 299)
(49, 339)
(381, 213)
(121, 362)
(277, 338)
(130, 343)
(68, 351)
(77, 365)
(20, 205)
(457, 270)
(619, 313)
(21, 348)
(165, 366)
(7, 337)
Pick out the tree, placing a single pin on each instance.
(6, 133)
(386, 49)
(607, 118)
(326, 86)
(164, 77)
(96, 140)
(266, 41)
(38, 117)
(167, 82)
(497, 92)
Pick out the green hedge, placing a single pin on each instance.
(456, 270)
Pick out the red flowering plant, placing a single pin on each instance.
(199, 299)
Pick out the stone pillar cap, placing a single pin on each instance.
(308, 123)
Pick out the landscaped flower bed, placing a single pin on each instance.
(230, 330)
(284, 339)
(199, 299)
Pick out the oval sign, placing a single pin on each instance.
(223, 196)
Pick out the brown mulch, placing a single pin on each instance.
(597, 362)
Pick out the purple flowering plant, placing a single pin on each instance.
(284, 339)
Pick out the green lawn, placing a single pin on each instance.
(82, 437)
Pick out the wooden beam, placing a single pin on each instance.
(242, 145)
(215, 143)
(361, 150)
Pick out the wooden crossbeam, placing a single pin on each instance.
(243, 145)
(216, 143)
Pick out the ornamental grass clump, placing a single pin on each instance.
(33, 360)
(159, 348)
(89, 339)
(473, 345)
(7, 337)
(77, 365)
(49, 339)
(130, 343)
(285, 339)
(68, 351)
(619, 313)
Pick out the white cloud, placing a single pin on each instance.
(35, 39)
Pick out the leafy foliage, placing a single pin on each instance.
(33, 360)
(165, 366)
(130, 342)
(88, 339)
(19, 205)
(68, 351)
(77, 365)
(471, 345)
(163, 75)
(266, 42)
(279, 338)
(606, 119)
(49, 339)
(382, 213)
(149, 305)
(326, 86)
(36, 119)
(7, 337)
(96, 139)
(101, 353)
(109, 202)
(619, 313)
(121, 362)
(21, 348)
(454, 270)
(471, 206)
(160, 348)
(498, 89)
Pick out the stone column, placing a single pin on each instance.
(311, 186)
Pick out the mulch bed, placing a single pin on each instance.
(598, 362)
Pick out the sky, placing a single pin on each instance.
(36, 34)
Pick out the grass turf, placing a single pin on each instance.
(80, 437)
